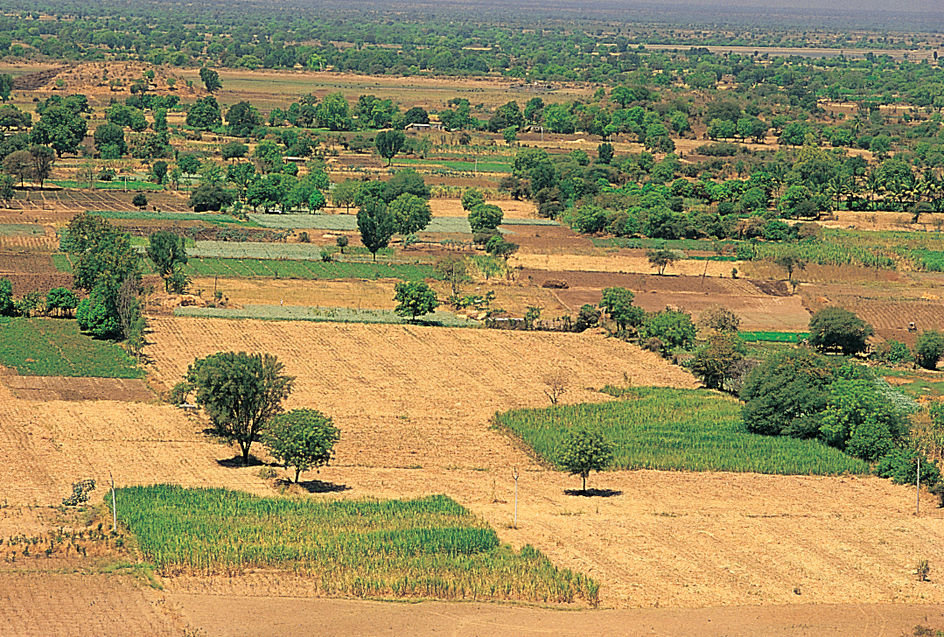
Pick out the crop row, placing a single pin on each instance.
(55, 347)
(678, 429)
(430, 547)
(308, 269)
(774, 337)
(327, 314)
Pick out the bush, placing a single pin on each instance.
(892, 353)
(901, 467)
(835, 328)
(672, 328)
(139, 200)
(929, 348)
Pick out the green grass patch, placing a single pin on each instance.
(56, 347)
(319, 270)
(679, 429)
(213, 218)
(774, 337)
(430, 547)
(328, 314)
(62, 263)
(21, 230)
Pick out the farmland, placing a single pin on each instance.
(678, 430)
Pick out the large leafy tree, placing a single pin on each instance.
(485, 217)
(240, 393)
(242, 118)
(301, 438)
(43, 158)
(210, 79)
(100, 251)
(61, 129)
(389, 143)
(376, 225)
(835, 328)
(618, 303)
(414, 298)
(410, 213)
(168, 252)
(584, 449)
(672, 328)
(716, 360)
(861, 421)
(204, 113)
(929, 348)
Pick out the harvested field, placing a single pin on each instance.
(45, 388)
(23, 283)
(623, 262)
(511, 208)
(26, 262)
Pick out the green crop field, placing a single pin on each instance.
(108, 185)
(328, 314)
(431, 547)
(774, 337)
(144, 215)
(55, 347)
(286, 269)
(679, 429)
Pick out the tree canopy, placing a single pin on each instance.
(240, 393)
(301, 438)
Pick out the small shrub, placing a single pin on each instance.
(900, 466)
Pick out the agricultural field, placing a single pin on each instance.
(678, 430)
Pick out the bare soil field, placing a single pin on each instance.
(44, 388)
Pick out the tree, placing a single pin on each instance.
(110, 141)
(790, 262)
(605, 153)
(100, 251)
(6, 297)
(672, 328)
(618, 303)
(389, 143)
(301, 438)
(62, 301)
(584, 449)
(498, 247)
(210, 79)
(98, 314)
(471, 198)
(345, 193)
(209, 197)
(410, 213)
(242, 118)
(240, 393)
(334, 113)
(139, 201)
(929, 348)
(414, 298)
(376, 226)
(13, 118)
(719, 319)
(233, 150)
(485, 217)
(60, 128)
(860, 420)
(204, 113)
(43, 158)
(19, 164)
(168, 252)
(837, 328)
(716, 361)
(190, 164)
(416, 115)
(455, 271)
(406, 181)
(661, 258)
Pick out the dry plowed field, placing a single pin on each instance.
(413, 405)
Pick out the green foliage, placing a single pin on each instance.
(901, 467)
(139, 200)
(376, 225)
(720, 319)
(497, 246)
(98, 314)
(584, 449)
(240, 393)
(414, 298)
(835, 328)
(168, 252)
(6, 297)
(307, 269)
(618, 303)
(389, 143)
(204, 114)
(50, 347)
(929, 348)
(674, 329)
(431, 547)
(60, 128)
(210, 79)
(209, 197)
(860, 420)
(62, 301)
(471, 198)
(894, 352)
(100, 252)
(785, 393)
(485, 217)
(411, 214)
(301, 438)
(661, 258)
(716, 360)
(678, 430)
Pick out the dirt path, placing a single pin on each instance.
(223, 616)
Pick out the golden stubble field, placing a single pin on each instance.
(413, 405)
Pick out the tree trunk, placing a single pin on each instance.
(584, 476)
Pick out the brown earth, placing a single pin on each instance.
(44, 388)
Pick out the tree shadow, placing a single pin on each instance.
(593, 493)
(236, 462)
(318, 486)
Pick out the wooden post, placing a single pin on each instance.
(114, 506)
(515, 474)
(918, 489)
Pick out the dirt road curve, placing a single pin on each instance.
(222, 616)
